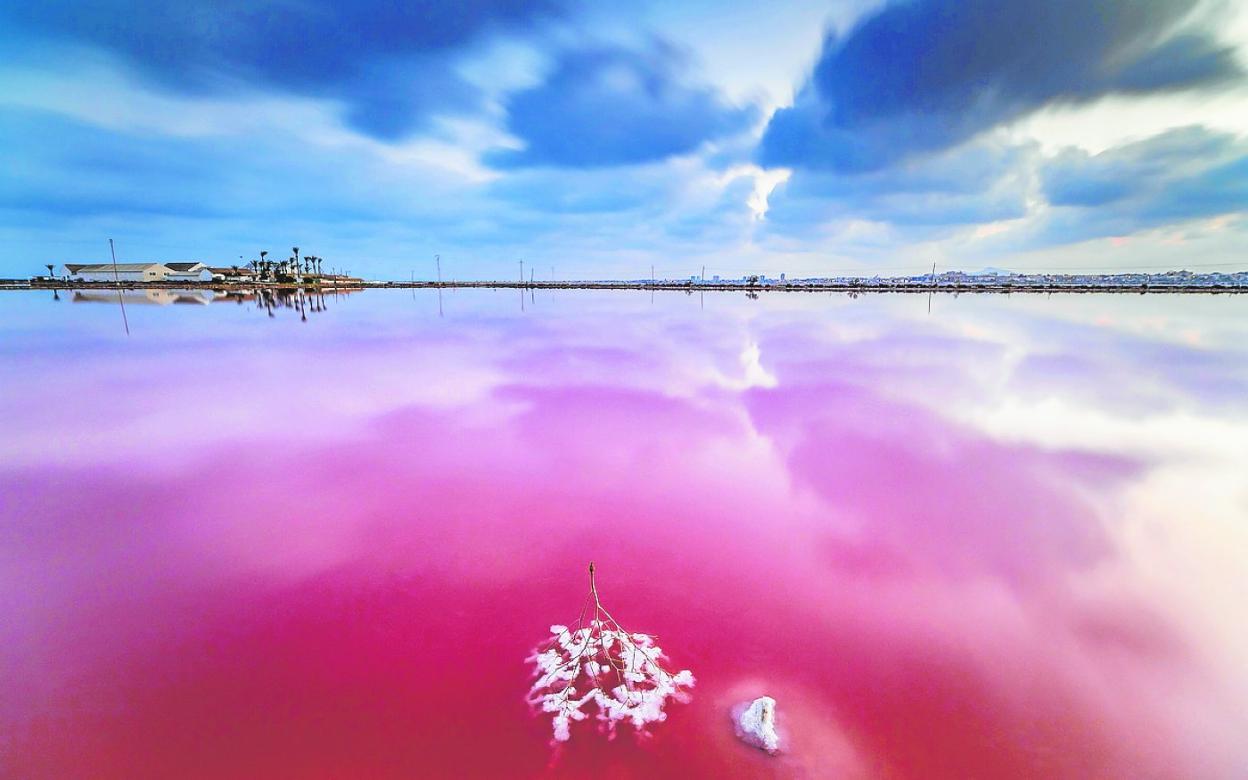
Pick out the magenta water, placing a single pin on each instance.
(1000, 538)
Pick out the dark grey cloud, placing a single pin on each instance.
(611, 106)
(981, 182)
(1182, 174)
(390, 62)
(927, 75)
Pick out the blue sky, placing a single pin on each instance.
(597, 139)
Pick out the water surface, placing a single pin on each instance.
(1000, 538)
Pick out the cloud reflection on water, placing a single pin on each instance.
(265, 547)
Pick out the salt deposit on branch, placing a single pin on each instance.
(756, 724)
(601, 667)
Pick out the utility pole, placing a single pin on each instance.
(932, 290)
(522, 275)
(117, 278)
(438, 259)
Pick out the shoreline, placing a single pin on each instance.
(855, 286)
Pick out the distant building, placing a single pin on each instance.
(125, 272)
(232, 274)
(338, 280)
(188, 272)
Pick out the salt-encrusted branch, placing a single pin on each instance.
(591, 651)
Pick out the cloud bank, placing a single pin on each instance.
(615, 106)
(925, 76)
(391, 64)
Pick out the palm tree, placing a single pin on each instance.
(264, 264)
(49, 267)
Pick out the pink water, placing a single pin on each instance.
(1003, 539)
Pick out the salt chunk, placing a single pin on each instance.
(756, 724)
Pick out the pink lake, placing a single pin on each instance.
(1001, 538)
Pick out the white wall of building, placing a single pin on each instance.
(151, 274)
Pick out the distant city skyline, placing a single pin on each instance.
(812, 139)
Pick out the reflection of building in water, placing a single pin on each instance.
(158, 297)
(303, 301)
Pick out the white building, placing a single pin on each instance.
(232, 274)
(125, 272)
(188, 272)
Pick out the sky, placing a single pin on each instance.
(600, 140)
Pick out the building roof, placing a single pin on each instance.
(121, 267)
(192, 266)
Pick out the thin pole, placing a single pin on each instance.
(438, 259)
(522, 274)
(933, 289)
(117, 278)
(702, 278)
